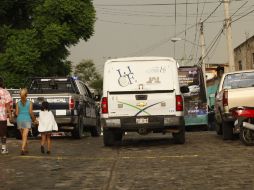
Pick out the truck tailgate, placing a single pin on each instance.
(144, 104)
(241, 97)
(57, 102)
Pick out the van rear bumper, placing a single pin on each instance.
(151, 122)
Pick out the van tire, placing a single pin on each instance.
(179, 138)
(227, 130)
(118, 135)
(108, 137)
(79, 129)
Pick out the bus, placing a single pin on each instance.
(196, 104)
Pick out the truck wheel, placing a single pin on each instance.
(35, 131)
(78, 130)
(247, 136)
(218, 128)
(227, 130)
(17, 132)
(96, 130)
(179, 138)
(108, 137)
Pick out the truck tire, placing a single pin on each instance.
(108, 137)
(227, 130)
(17, 132)
(218, 128)
(77, 133)
(179, 138)
(96, 130)
(35, 131)
(247, 136)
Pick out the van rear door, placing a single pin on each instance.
(141, 88)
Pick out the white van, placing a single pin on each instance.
(142, 94)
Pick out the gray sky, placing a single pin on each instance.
(145, 27)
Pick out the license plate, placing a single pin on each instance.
(142, 120)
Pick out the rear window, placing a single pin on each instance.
(50, 86)
(239, 80)
(140, 75)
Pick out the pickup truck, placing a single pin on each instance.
(70, 100)
(235, 89)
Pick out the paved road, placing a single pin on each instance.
(140, 162)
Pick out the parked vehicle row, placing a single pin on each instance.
(70, 100)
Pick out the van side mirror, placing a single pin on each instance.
(184, 89)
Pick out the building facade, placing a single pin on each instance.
(244, 55)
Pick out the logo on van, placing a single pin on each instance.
(126, 77)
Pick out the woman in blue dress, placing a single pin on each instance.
(25, 116)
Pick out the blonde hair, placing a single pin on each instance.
(23, 93)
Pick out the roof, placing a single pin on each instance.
(126, 59)
(242, 71)
(242, 44)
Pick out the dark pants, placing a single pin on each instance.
(3, 128)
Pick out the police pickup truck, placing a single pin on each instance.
(70, 100)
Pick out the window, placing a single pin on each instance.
(240, 66)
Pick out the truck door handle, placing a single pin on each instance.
(141, 97)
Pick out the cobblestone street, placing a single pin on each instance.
(205, 161)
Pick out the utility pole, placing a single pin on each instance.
(202, 44)
(231, 62)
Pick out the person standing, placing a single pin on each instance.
(47, 124)
(5, 110)
(25, 116)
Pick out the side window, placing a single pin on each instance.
(81, 88)
(89, 92)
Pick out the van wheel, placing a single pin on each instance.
(108, 137)
(227, 130)
(179, 138)
(78, 130)
(96, 130)
(118, 135)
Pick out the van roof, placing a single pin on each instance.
(126, 59)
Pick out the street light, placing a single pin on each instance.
(174, 40)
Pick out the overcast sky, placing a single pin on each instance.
(145, 28)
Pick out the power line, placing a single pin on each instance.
(152, 4)
(135, 24)
(243, 16)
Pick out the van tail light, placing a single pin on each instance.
(225, 98)
(71, 103)
(104, 105)
(179, 103)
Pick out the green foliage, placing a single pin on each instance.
(86, 72)
(35, 36)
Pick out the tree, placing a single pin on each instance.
(35, 36)
(86, 71)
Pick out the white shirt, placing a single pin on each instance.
(47, 122)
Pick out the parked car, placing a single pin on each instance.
(235, 89)
(70, 101)
(142, 95)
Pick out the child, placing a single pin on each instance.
(47, 124)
